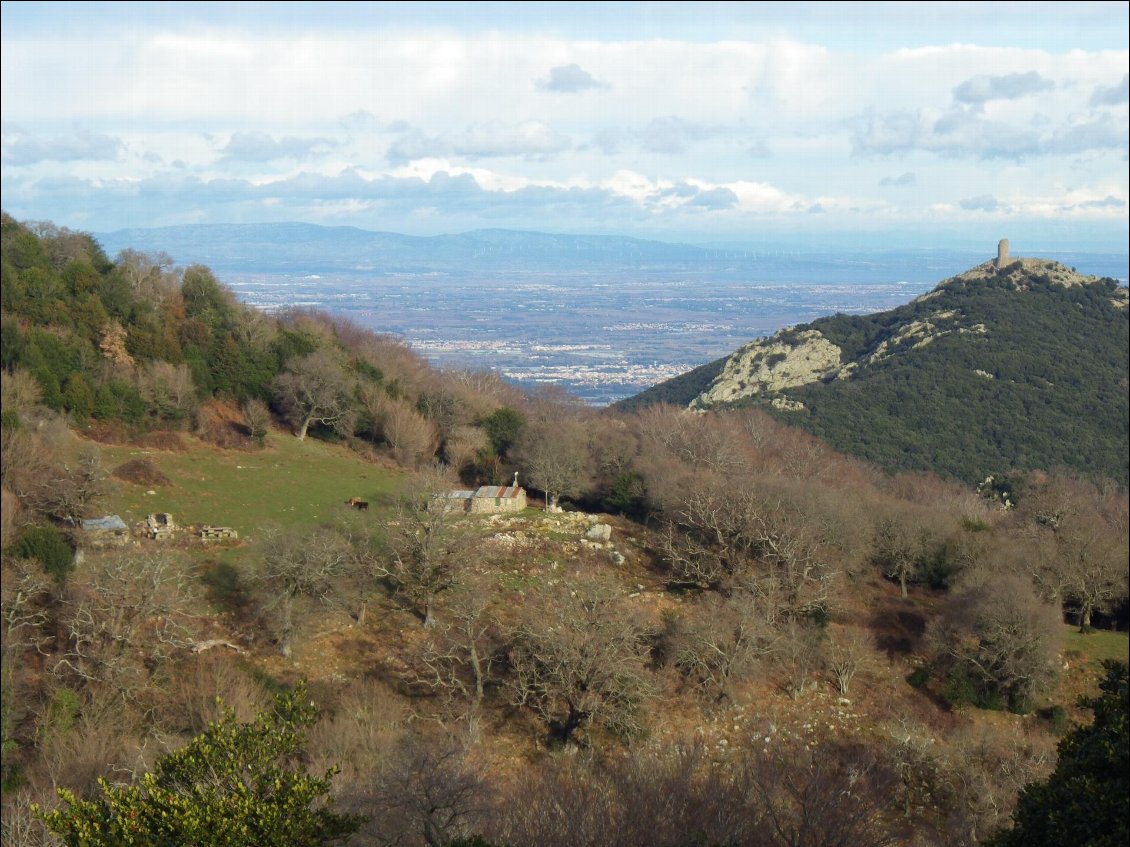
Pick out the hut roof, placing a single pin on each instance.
(108, 523)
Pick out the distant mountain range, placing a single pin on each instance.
(1019, 367)
(299, 247)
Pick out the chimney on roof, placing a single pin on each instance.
(515, 479)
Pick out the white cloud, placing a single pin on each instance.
(904, 179)
(531, 139)
(981, 89)
(262, 147)
(963, 132)
(1112, 95)
(24, 148)
(570, 79)
(435, 123)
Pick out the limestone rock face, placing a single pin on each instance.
(773, 364)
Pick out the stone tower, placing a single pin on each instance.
(1002, 253)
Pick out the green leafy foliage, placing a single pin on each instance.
(502, 428)
(1086, 800)
(68, 309)
(1011, 380)
(46, 545)
(234, 785)
(1057, 357)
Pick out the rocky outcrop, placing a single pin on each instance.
(785, 360)
(1020, 273)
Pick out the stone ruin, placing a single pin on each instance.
(218, 533)
(1002, 254)
(159, 525)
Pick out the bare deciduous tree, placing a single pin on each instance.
(123, 616)
(463, 445)
(25, 591)
(984, 772)
(553, 453)
(254, 329)
(314, 389)
(832, 796)
(19, 391)
(900, 544)
(257, 417)
(749, 537)
(798, 654)
(996, 629)
(429, 791)
(577, 658)
(168, 389)
(458, 660)
(1086, 531)
(718, 642)
(39, 470)
(297, 567)
(411, 438)
(703, 441)
(151, 276)
(848, 652)
(429, 543)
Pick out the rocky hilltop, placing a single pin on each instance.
(796, 357)
(1020, 363)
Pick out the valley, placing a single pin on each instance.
(601, 317)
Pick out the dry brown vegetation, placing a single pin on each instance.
(141, 472)
(724, 667)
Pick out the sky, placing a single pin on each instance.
(870, 124)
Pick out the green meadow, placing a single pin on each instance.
(287, 483)
(1098, 645)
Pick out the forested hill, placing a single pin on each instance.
(1023, 367)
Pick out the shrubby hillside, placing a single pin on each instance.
(705, 629)
(135, 344)
(1020, 368)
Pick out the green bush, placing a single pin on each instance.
(1056, 716)
(919, 677)
(46, 545)
(234, 785)
(502, 427)
(1086, 800)
(960, 690)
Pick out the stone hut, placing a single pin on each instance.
(484, 500)
(100, 532)
(494, 499)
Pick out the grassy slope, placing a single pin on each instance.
(1098, 645)
(288, 483)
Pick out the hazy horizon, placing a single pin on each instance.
(878, 125)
